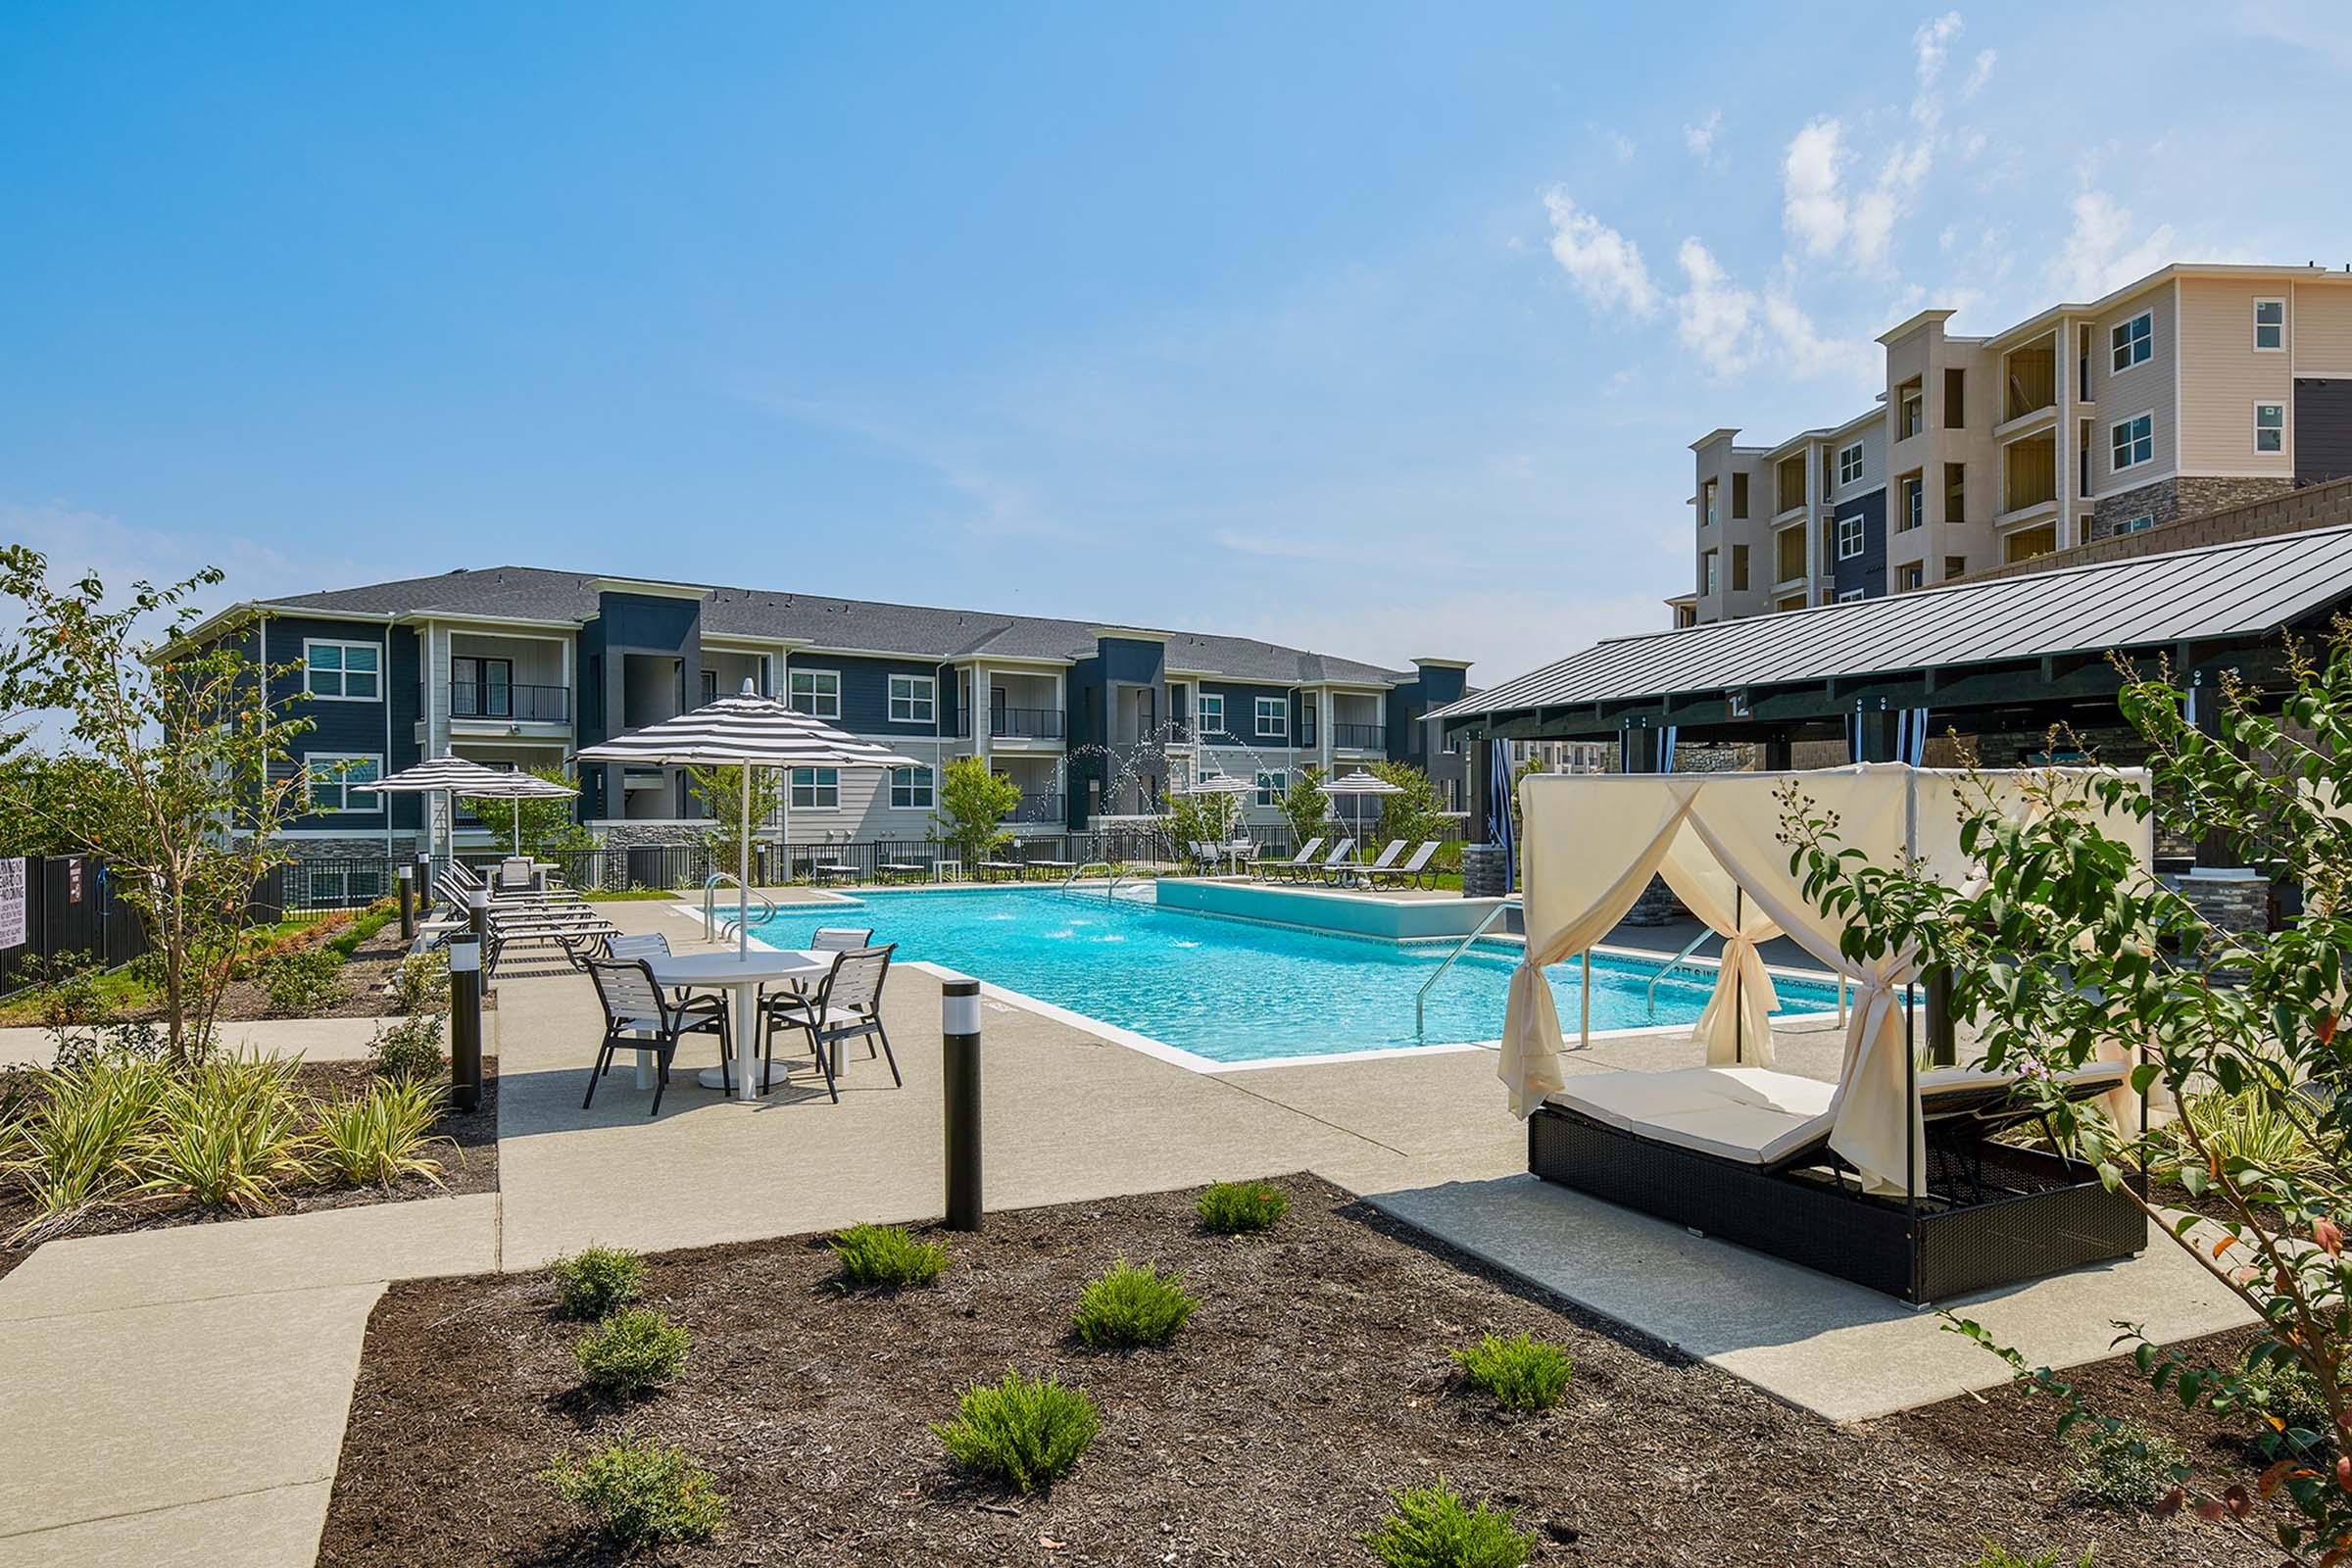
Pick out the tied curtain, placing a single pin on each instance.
(1593, 842)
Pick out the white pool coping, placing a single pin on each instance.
(1194, 1062)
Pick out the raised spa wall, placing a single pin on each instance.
(1320, 910)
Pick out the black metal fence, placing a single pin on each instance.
(70, 909)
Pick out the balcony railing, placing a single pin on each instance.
(1037, 808)
(1359, 737)
(530, 705)
(1029, 724)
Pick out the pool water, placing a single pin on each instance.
(1236, 990)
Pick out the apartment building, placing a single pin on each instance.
(2194, 388)
(517, 666)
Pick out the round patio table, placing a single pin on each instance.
(741, 975)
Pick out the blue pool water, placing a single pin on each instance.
(1238, 991)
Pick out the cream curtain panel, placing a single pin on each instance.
(1593, 841)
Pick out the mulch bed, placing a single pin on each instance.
(471, 1168)
(1313, 1382)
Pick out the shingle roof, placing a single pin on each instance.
(2232, 590)
(532, 593)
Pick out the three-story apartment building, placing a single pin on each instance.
(2194, 388)
(517, 666)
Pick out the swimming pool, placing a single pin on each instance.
(1237, 991)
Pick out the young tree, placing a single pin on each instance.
(549, 827)
(1413, 815)
(179, 774)
(1305, 806)
(722, 790)
(973, 803)
(2067, 944)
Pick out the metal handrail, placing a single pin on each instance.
(710, 886)
(1421, 997)
(1668, 965)
(732, 924)
(1092, 866)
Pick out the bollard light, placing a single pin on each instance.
(408, 906)
(464, 1022)
(959, 1053)
(425, 882)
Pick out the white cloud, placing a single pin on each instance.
(1700, 138)
(1506, 631)
(2099, 254)
(1620, 144)
(1817, 208)
(1804, 352)
(1715, 317)
(1979, 74)
(1813, 208)
(1605, 265)
(1930, 44)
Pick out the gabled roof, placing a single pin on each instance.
(533, 593)
(2233, 590)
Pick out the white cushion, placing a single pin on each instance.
(1751, 1134)
(1744, 1114)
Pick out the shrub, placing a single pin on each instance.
(1433, 1528)
(1026, 1432)
(1997, 1557)
(634, 1350)
(230, 1131)
(2252, 1127)
(1521, 1372)
(594, 1281)
(420, 985)
(78, 1145)
(1233, 1207)
(641, 1491)
(2282, 1389)
(371, 921)
(2121, 1464)
(302, 981)
(380, 1136)
(885, 1257)
(1127, 1307)
(410, 1048)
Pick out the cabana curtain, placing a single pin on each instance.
(1594, 840)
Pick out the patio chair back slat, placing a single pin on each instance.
(840, 939)
(627, 990)
(855, 983)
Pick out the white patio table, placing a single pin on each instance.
(742, 974)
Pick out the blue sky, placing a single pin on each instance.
(1381, 330)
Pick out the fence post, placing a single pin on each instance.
(959, 1049)
(407, 908)
(465, 1022)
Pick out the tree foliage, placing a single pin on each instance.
(2066, 943)
(721, 790)
(1414, 814)
(1305, 806)
(973, 803)
(549, 827)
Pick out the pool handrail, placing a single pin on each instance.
(1688, 948)
(1421, 997)
(715, 930)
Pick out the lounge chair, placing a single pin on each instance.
(1340, 853)
(1006, 869)
(1388, 857)
(1053, 867)
(1303, 860)
(903, 870)
(1742, 1153)
(835, 871)
(1411, 872)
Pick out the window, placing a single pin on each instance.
(2270, 428)
(1911, 410)
(2270, 325)
(343, 673)
(1738, 495)
(1213, 713)
(1272, 787)
(816, 693)
(1955, 492)
(337, 781)
(1955, 400)
(1850, 596)
(2140, 525)
(1955, 566)
(913, 699)
(481, 688)
(1915, 507)
(910, 789)
(709, 687)
(1849, 463)
(816, 789)
(1706, 502)
(2133, 341)
(1706, 572)
(1739, 569)
(1273, 718)
(2132, 441)
(1849, 537)
(1912, 577)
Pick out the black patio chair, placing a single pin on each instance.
(638, 1017)
(847, 1005)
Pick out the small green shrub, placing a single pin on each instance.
(1433, 1528)
(1521, 1372)
(593, 1281)
(1127, 1307)
(302, 981)
(420, 985)
(1026, 1432)
(2282, 1389)
(641, 1491)
(634, 1350)
(380, 1136)
(371, 921)
(409, 1049)
(2125, 1465)
(1234, 1207)
(230, 1133)
(1997, 1557)
(885, 1257)
(77, 1147)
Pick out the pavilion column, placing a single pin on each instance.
(1882, 733)
(1779, 753)
(2227, 894)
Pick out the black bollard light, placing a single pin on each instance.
(424, 883)
(407, 904)
(465, 1022)
(959, 1042)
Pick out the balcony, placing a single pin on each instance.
(1017, 723)
(2028, 380)
(1359, 737)
(1040, 809)
(510, 704)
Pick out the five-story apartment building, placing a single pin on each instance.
(2195, 388)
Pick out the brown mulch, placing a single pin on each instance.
(1312, 1381)
(472, 1168)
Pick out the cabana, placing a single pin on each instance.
(1892, 1176)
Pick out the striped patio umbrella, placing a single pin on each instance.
(746, 731)
(515, 785)
(1220, 784)
(1356, 786)
(442, 775)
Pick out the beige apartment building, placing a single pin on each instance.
(2194, 388)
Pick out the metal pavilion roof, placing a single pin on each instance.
(2233, 590)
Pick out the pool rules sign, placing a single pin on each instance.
(11, 902)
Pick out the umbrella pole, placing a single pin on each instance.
(743, 872)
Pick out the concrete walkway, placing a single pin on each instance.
(318, 1039)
